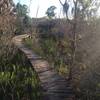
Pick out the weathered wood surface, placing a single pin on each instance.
(54, 86)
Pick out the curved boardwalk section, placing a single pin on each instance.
(54, 86)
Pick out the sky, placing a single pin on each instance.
(42, 5)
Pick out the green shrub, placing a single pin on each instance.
(18, 81)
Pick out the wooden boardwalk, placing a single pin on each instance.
(54, 86)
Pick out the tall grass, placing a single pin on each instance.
(57, 50)
(18, 80)
(7, 49)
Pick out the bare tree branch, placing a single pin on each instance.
(61, 2)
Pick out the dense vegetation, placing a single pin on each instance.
(70, 45)
(51, 45)
(56, 48)
(18, 80)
